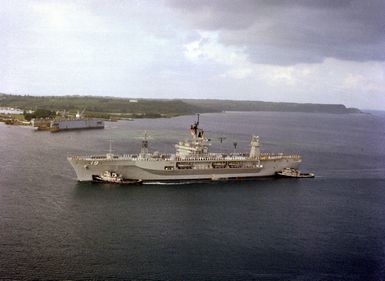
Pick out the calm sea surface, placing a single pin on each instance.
(328, 228)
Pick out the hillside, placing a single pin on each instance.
(152, 108)
(157, 108)
(231, 105)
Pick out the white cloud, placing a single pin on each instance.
(207, 48)
(363, 83)
(291, 32)
(121, 49)
(332, 81)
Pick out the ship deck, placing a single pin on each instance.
(172, 157)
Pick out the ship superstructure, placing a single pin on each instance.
(192, 161)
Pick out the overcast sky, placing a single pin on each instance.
(318, 51)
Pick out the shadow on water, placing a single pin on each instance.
(257, 182)
(207, 189)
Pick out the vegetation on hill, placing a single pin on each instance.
(39, 113)
(232, 105)
(105, 107)
(98, 104)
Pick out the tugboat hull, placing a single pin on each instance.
(293, 173)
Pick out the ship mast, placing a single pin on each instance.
(144, 148)
(196, 132)
(197, 146)
(109, 155)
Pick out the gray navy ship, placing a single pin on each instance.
(192, 161)
(75, 124)
(65, 124)
(79, 123)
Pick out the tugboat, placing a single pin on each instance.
(293, 173)
(112, 177)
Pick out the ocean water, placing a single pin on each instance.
(328, 228)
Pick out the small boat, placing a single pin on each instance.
(293, 173)
(112, 177)
(181, 165)
(219, 164)
(235, 164)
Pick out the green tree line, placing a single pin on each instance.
(39, 113)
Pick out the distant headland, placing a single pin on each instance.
(120, 108)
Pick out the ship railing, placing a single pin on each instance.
(278, 156)
(227, 158)
(92, 157)
(168, 157)
(104, 157)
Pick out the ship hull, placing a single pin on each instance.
(76, 124)
(155, 170)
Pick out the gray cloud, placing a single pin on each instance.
(296, 31)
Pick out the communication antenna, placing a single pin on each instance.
(195, 131)
(109, 154)
(221, 139)
(144, 148)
